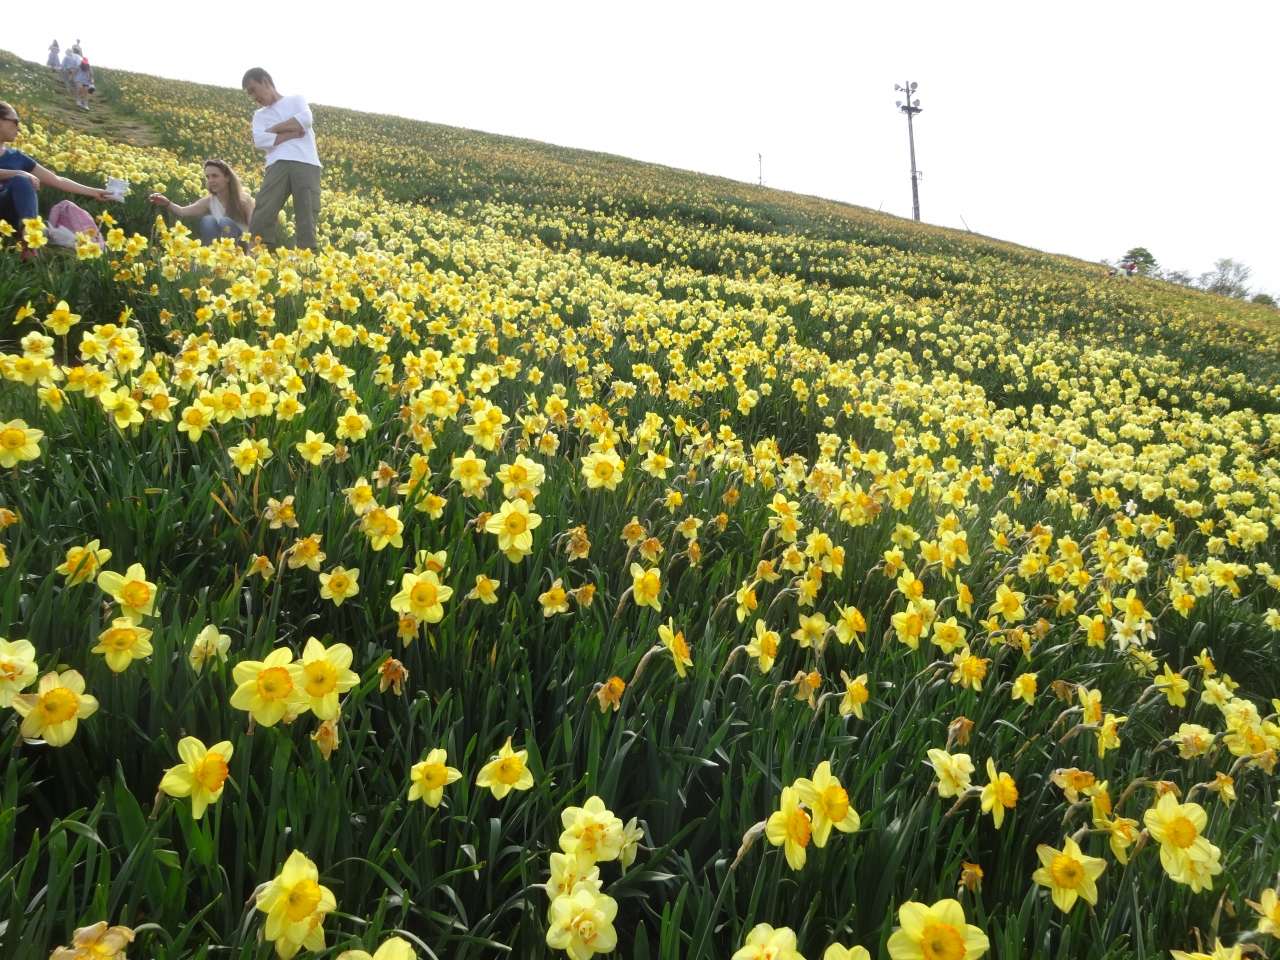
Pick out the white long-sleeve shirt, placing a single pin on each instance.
(300, 148)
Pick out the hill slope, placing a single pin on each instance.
(851, 563)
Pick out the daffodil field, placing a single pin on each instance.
(581, 557)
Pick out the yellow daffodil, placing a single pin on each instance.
(514, 524)
(122, 643)
(295, 904)
(591, 831)
(767, 943)
(135, 594)
(18, 442)
(339, 584)
(1000, 794)
(1069, 874)
(506, 772)
(84, 563)
(271, 688)
(326, 673)
(428, 778)
(791, 828)
(829, 802)
(937, 932)
(201, 775)
(581, 923)
(645, 587)
(674, 641)
(54, 711)
(17, 668)
(422, 595)
(393, 948)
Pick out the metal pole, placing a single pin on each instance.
(760, 157)
(915, 189)
(911, 108)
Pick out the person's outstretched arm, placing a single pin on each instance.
(197, 209)
(49, 178)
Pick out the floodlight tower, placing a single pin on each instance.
(911, 108)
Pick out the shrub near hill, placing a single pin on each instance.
(520, 578)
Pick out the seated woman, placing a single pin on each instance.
(21, 177)
(225, 212)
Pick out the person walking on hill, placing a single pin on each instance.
(224, 212)
(282, 129)
(55, 56)
(70, 63)
(21, 177)
(84, 82)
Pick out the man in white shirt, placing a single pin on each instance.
(282, 128)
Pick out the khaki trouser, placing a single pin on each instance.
(287, 178)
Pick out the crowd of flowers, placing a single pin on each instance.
(891, 619)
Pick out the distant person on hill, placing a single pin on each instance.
(84, 82)
(225, 212)
(75, 48)
(70, 62)
(21, 177)
(282, 128)
(55, 56)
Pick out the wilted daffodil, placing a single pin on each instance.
(201, 775)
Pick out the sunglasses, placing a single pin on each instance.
(15, 118)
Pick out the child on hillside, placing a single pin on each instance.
(84, 82)
(21, 177)
(225, 212)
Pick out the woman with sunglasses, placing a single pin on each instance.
(224, 212)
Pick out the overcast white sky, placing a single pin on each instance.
(1079, 128)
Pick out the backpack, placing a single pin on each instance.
(73, 219)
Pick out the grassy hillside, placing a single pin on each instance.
(691, 494)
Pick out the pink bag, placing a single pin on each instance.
(76, 219)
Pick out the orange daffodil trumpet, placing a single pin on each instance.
(296, 904)
(937, 932)
(200, 776)
(270, 689)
